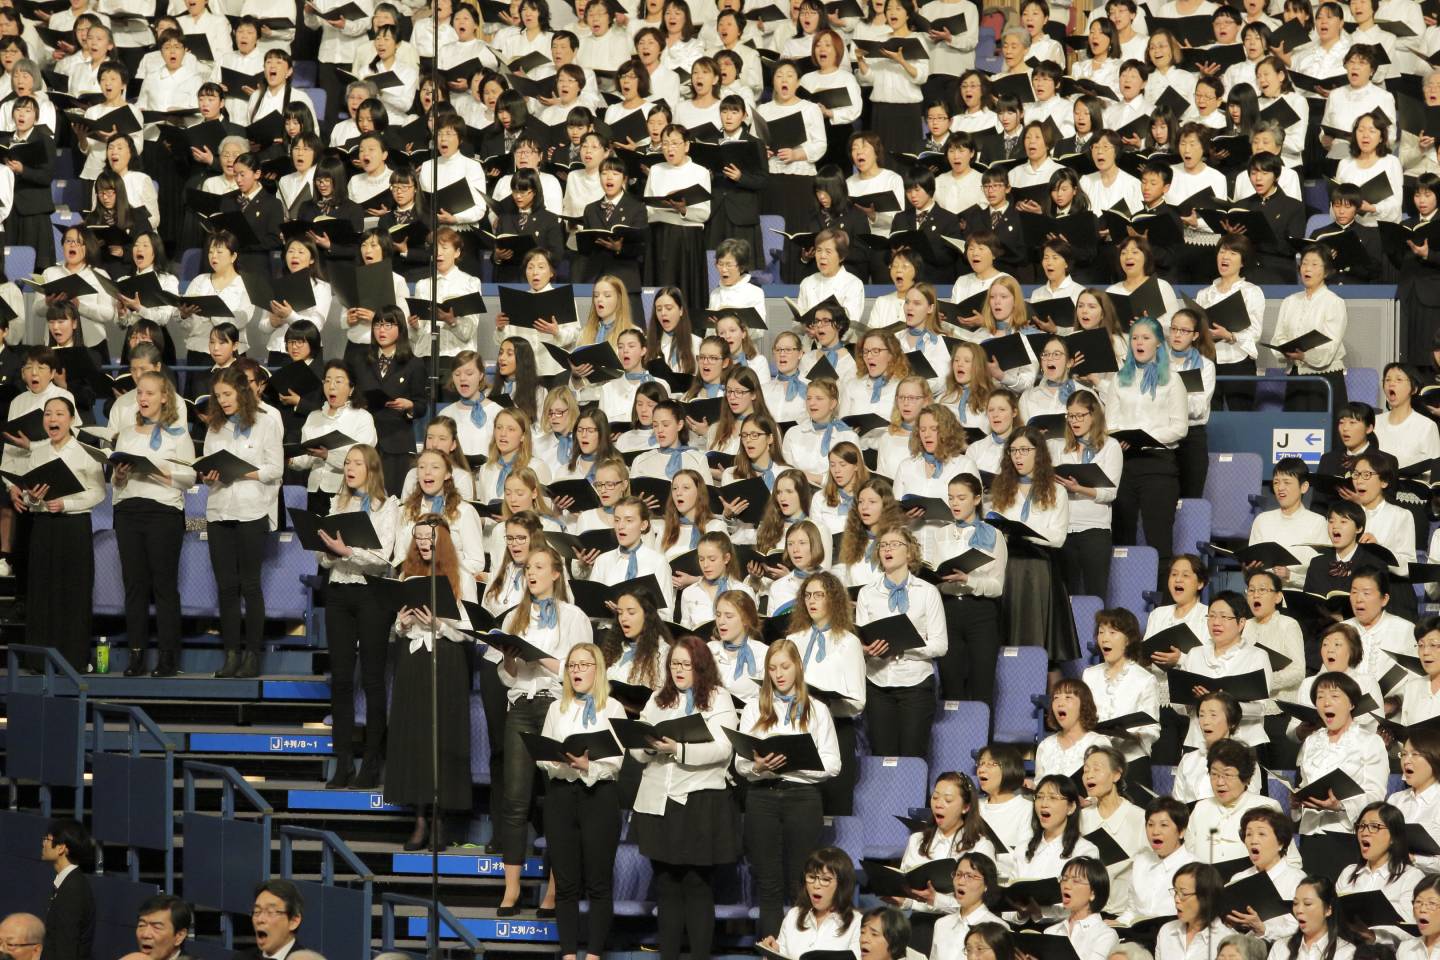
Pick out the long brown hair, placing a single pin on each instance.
(841, 620)
(374, 478)
(530, 522)
(707, 675)
(654, 635)
(768, 718)
(744, 468)
(1006, 486)
(247, 404)
(856, 537)
(951, 442)
(670, 532)
(972, 828)
(1098, 430)
(850, 453)
(521, 623)
(772, 524)
(447, 561)
(729, 424)
(413, 508)
(981, 385)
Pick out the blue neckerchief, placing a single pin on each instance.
(935, 464)
(789, 707)
(365, 503)
(739, 357)
(899, 601)
(589, 716)
(1150, 377)
(437, 504)
(694, 531)
(877, 387)
(640, 376)
(628, 656)
(794, 386)
(996, 439)
(632, 561)
(816, 645)
(1189, 359)
(506, 467)
(651, 439)
(1001, 326)
(674, 351)
(689, 701)
(240, 432)
(1025, 507)
(713, 390)
(982, 535)
(907, 427)
(608, 511)
(591, 459)
(1087, 452)
(833, 354)
(847, 500)
(676, 461)
(160, 428)
(964, 401)
(870, 547)
(549, 614)
(768, 475)
(477, 410)
(517, 578)
(829, 427)
(720, 583)
(565, 446)
(602, 332)
(1065, 389)
(920, 338)
(744, 658)
(507, 387)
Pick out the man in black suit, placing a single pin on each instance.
(162, 926)
(1286, 216)
(277, 914)
(21, 936)
(70, 918)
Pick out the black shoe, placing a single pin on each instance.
(136, 666)
(166, 666)
(419, 835)
(371, 773)
(511, 911)
(249, 667)
(344, 773)
(545, 913)
(231, 667)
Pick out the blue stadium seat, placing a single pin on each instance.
(1085, 609)
(103, 516)
(768, 266)
(1133, 573)
(849, 835)
(108, 594)
(987, 55)
(1193, 520)
(1162, 779)
(711, 272)
(198, 594)
(1233, 488)
(633, 876)
(191, 263)
(1270, 394)
(1278, 791)
(479, 743)
(961, 727)
(1363, 384)
(19, 262)
(65, 163)
(1020, 675)
(734, 897)
(883, 787)
(317, 98)
(647, 300)
(307, 73)
(286, 561)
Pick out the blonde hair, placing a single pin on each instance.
(169, 405)
(981, 385)
(374, 478)
(522, 452)
(1020, 319)
(951, 442)
(897, 421)
(601, 689)
(768, 717)
(413, 507)
(521, 623)
(623, 320)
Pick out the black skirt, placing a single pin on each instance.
(34, 230)
(1036, 604)
(407, 759)
(62, 570)
(703, 831)
(677, 258)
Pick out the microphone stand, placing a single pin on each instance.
(433, 931)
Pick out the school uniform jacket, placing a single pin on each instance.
(394, 429)
(32, 183)
(739, 200)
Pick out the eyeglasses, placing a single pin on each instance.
(1364, 475)
(1053, 355)
(1212, 615)
(786, 349)
(911, 397)
(1429, 645)
(587, 431)
(893, 544)
(820, 879)
(709, 358)
(1049, 796)
(1258, 591)
(608, 484)
(815, 594)
(269, 913)
(680, 664)
(517, 538)
(754, 435)
(1429, 903)
(1179, 894)
(1175, 329)
(737, 392)
(1077, 417)
(873, 352)
(385, 322)
(1369, 826)
(581, 665)
(1021, 451)
(968, 875)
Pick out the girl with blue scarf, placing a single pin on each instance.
(968, 386)
(1055, 386)
(858, 561)
(884, 366)
(669, 334)
(670, 451)
(818, 432)
(636, 650)
(556, 441)
(971, 600)
(743, 352)
(548, 622)
(593, 446)
(712, 362)
(1035, 602)
(937, 453)
(845, 473)
(687, 519)
(900, 685)
(641, 433)
(805, 554)
(744, 398)
(823, 630)
(785, 393)
(582, 803)
(759, 457)
(788, 503)
(510, 451)
(474, 413)
(892, 444)
(1002, 417)
(616, 397)
(441, 436)
(686, 819)
(784, 818)
(826, 326)
(719, 572)
(1086, 555)
(738, 645)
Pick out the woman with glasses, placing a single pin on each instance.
(1420, 695)
(824, 918)
(1419, 764)
(1054, 386)
(900, 699)
(1276, 633)
(743, 399)
(892, 443)
(1054, 840)
(1385, 866)
(612, 485)
(955, 831)
(1340, 744)
(884, 366)
(1035, 603)
(976, 885)
(1085, 891)
(1224, 652)
(1085, 555)
(1198, 926)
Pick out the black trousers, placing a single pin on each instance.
(525, 716)
(922, 930)
(898, 719)
(582, 832)
(1085, 561)
(237, 551)
(1149, 488)
(355, 624)
(62, 578)
(685, 903)
(148, 535)
(837, 794)
(1234, 396)
(1192, 461)
(496, 705)
(783, 824)
(967, 670)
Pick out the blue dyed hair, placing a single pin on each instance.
(1126, 375)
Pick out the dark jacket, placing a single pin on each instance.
(1286, 217)
(939, 257)
(738, 201)
(32, 183)
(70, 919)
(406, 380)
(627, 265)
(543, 225)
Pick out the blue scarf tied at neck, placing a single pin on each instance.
(477, 410)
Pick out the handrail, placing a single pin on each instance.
(233, 782)
(438, 912)
(332, 847)
(55, 667)
(138, 721)
(54, 662)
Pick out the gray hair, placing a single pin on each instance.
(1249, 948)
(1271, 127)
(1019, 32)
(31, 69)
(371, 91)
(229, 142)
(1132, 951)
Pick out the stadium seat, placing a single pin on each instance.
(1192, 526)
(961, 727)
(1133, 575)
(198, 595)
(1363, 384)
(1085, 609)
(317, 97)
(1233, 488)
(1270, 394)
(19, 262)
(1278, 791)
(103, 516)
(286, 561)
(885, 786)
(1020, 675)
(1162, 779)
(633, 876)
(849, 835)
(768, 266)
(108, 594)
(1317, 220)
(191, 263)
(479, 742)
(306, 74)
(711, 272)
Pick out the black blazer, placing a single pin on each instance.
(1286, 217)
(738, 201)
(1372, 270)
(416, 260)
(395, 430)
(32, 183)
(347, 210)
(855, 224)
(626, 264)
(1013, 256)
(939, 257)
(70, 919)
(1417, 278)
(544, 226)
(265, 214)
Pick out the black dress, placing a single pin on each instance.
(1419, 295)
(408, 761)
(29, 222)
